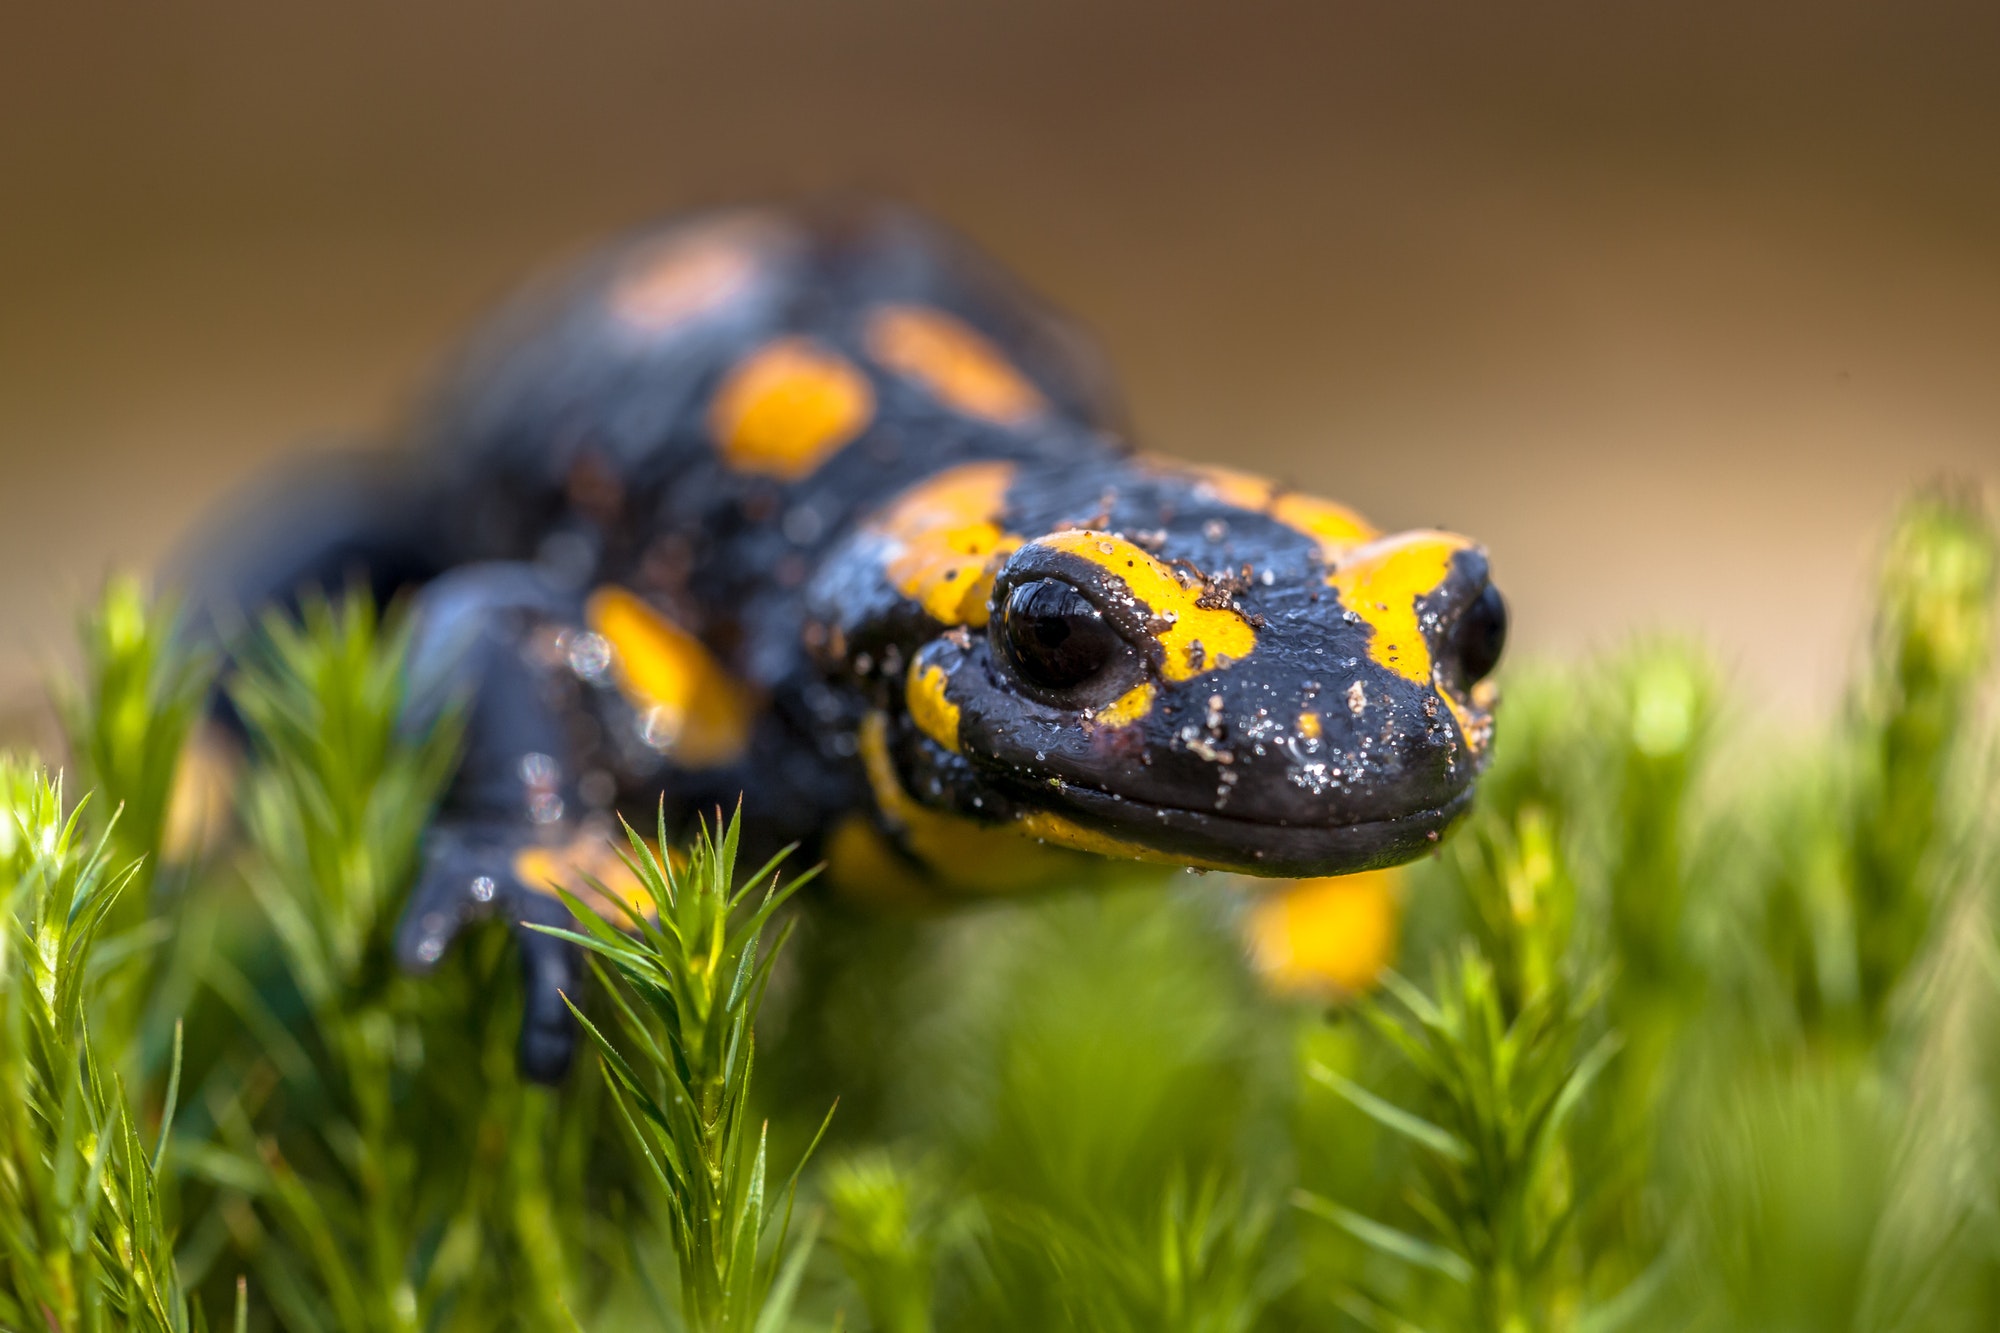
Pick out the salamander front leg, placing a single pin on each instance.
(472, 869)
(485, 638)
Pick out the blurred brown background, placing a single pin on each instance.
(1666, 303)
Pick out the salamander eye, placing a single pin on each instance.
(1479, 635)
(1053, 636)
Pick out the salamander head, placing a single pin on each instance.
(1209, 672)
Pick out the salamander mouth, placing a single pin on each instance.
(1253, 847)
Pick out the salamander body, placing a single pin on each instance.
(823, 512)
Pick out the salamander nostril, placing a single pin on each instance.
(1479, 635)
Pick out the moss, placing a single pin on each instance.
(1686, 1031)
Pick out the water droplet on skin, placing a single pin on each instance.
(588, 654)
(659, 728)
(1312, 778)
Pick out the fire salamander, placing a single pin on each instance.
(822, 511)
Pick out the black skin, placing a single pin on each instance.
(575, 448)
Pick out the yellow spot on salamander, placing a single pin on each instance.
(1316, 935)
(1128, 707)
(1475, 722)
(1309, 726)
(1062, 831)
(1335, 528)
(684, 276)
(964, 854)
(1039, 849)
(1195, 638)
(944, 542)
(958, 366)
(695, 713)
(862, 866)
(590, 868)
(1475, 715)
(789, 406)
(1245, 490)
(1382, 584)
(935, 715)
(201, 797)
